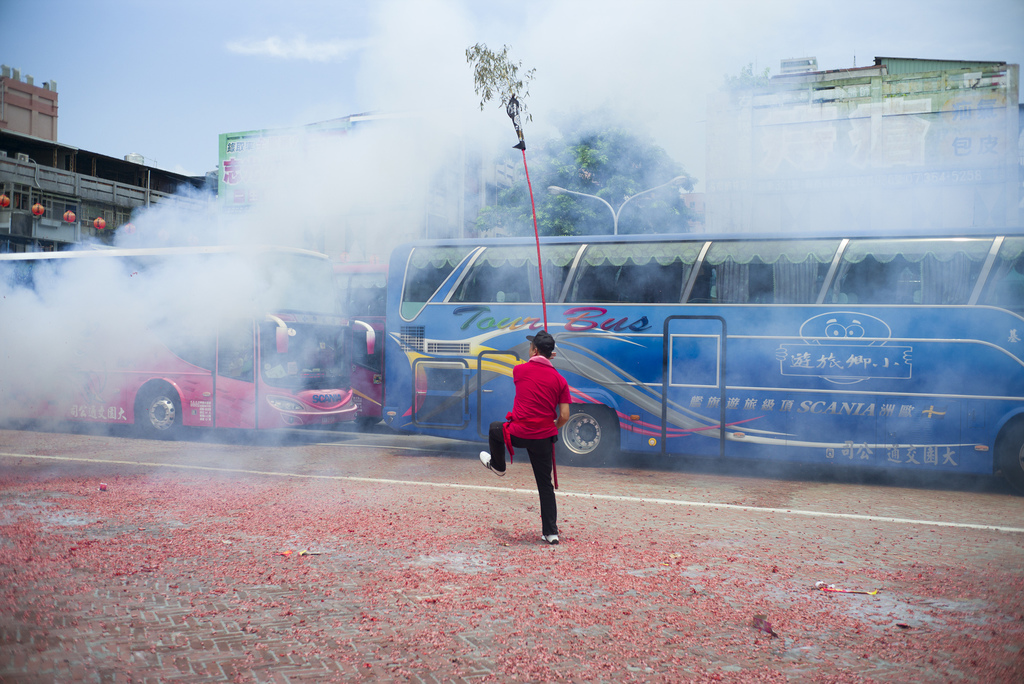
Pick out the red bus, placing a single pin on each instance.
(211, 337)
(362, 295)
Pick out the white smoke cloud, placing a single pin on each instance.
(297, 47)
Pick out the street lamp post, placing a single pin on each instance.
(555, 190)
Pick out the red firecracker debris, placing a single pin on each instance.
(761, 623)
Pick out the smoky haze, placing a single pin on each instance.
(649, 64)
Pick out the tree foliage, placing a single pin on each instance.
(747, 79)
(495, 75)
(603, 160)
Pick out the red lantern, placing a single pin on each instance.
(99, 223)
(5, 201)
(129, 228)
(69, 216)
(38, 210)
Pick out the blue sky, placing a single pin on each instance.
(164, 79)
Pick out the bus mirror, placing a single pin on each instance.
(371, 336)
(282, 340)
(282, 333)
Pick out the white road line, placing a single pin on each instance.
(375, 446)
(533, 492)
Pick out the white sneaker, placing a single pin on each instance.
(485, 458)
(550, 538)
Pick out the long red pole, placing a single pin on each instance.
(536, 234)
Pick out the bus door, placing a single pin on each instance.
(494, 388)
(440, 396)
(367, 369)
(235, 404)
(693, 385)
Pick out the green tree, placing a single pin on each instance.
(510, 214)
(495, 75)
(599, 159)
(747, 79)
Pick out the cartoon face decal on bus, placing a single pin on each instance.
(845, 347)
(850, 326)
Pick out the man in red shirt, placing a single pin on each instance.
(540, 408)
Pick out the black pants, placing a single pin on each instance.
(540, 451)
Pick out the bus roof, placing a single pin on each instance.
(159, 251)
(360, 267)
(704, 237)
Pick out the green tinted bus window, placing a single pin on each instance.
(1006, 281)
(764, 272)
(509, 274)
(648, 272)
(937, 271)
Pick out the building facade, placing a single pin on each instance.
(903, 144)
(53, 196)
(25, 107)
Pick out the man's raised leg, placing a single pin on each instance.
(495, 460)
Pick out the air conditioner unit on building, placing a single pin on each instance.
(22, 157)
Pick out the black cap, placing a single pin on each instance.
(543, 341)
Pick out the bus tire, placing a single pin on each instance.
(591, 437)
(1010, 453)
(157, 411)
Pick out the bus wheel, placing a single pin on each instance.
(157, 410)
(590, 437)
(1010, 453)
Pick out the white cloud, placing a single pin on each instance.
(297, 48)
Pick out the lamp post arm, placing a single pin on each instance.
(615, 217)
(674, 181)
(555, 190)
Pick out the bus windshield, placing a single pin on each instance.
(314, 357)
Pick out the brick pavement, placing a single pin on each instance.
(176, 575)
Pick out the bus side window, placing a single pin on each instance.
(652, 273)
(870, 281)
(764, 271)
(596, 283)
(235, 351)
(489, 282)
(924, 271)
(700, 293)
(656, 283)
(509, 275)
(1005, 286)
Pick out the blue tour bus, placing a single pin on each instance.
(881, 351)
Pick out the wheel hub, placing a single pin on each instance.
(582, 434)
(161, 413)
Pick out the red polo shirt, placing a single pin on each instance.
(539, 390)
